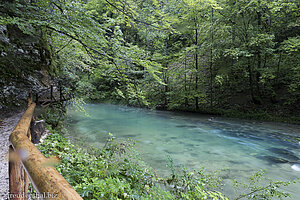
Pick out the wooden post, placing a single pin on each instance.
(51, 92)
(60, 94)
(37, 98)
(29, 98)
(18, 186)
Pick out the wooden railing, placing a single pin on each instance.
(27, 162)
(52, 95)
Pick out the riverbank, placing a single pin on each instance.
(258, 113)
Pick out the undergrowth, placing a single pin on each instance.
(117, 172)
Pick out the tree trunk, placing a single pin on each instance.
(277, 72)
(258, 52)
(250, 80)
(185, 85)
(211, 59)
(166, 75)
(166, 86)
(196, 66)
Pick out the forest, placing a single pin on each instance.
(232, 58)
(222, 57)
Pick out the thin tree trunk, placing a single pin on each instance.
(166, 75)
(185, 86)
(250, 79)
(166, 86)
(190, 82)
(196, 66)
(258, 55)
(211, 60)
(277, 72)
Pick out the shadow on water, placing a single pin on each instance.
(273, 160)
(289, 155)
(129, 136)
(186, 126)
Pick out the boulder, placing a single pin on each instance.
(37, 129)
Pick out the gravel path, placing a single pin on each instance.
(6, 127)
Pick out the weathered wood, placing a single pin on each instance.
(29, 99)
(18, 180)
(51, 92)
(45, 179)
(37, 98)
(54, 97)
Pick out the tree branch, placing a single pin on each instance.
(133, 18)
(78, 40)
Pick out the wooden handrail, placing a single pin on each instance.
(44, 99)
(45, 179)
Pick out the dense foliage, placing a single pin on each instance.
(219, 56)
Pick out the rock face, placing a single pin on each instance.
(24, 57)
(37, 129)
(23, 61)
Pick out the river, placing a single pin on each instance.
(237, 147)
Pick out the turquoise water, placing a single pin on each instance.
(238, 147)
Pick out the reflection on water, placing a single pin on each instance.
(239, 147)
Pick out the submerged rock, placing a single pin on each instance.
(186, 126)
(129, 136)
(284, 153)
(194, 154)
(273, 160)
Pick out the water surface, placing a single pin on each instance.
(239, 147)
